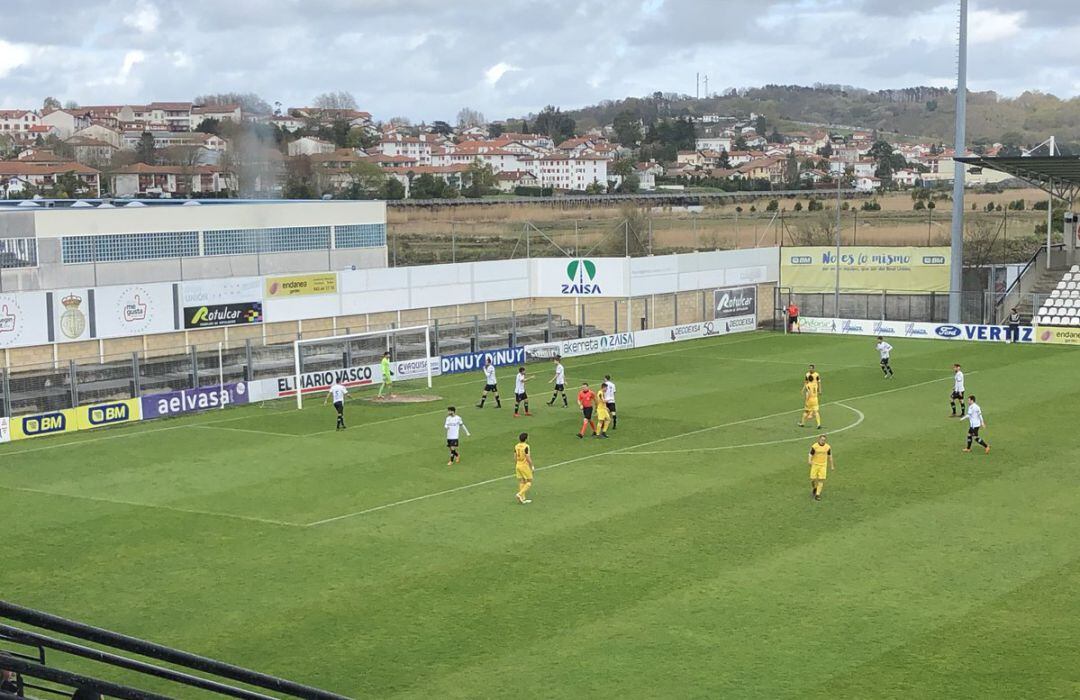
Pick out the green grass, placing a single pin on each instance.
(635, 572)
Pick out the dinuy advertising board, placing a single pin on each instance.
(472, 361)
(865, 268)
(908, 329)
(227, 302)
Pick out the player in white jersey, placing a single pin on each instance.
(453, 425)
(975, 421)
(559, 380)
(490, 384)
(521, 396)
(337, 392)
(957, 398)
(609, 399)
(884, 349)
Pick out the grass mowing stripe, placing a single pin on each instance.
(621, 450)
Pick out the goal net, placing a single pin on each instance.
(355, 360)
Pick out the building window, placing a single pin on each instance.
(360, 236)
(18, 252)
(252, 241)
(129, 246)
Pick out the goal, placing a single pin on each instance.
(354, 359)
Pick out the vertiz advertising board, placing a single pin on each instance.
(913, 329)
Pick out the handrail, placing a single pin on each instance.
(1008, 290)
(160, 652)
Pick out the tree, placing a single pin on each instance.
(367, 181)
(740, 143)
(725, 160)
(50, 103)
(468, 117)
(628, 179)
(393, 189)
(212, 125)
(442, 128)
(145, 149)
(760, 125)
(71, 104)
(68, 186)
(495, 130)
(248, 101)
(481, 179)
(555, 124)
(791, 168)
(826, 150)
(399, 121)
(775, 136)
(334, 100)
(299, 179)
(627, 129)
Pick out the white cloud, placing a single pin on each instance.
(144, 18)
(12, 56)
(496, 72)
(986, 26)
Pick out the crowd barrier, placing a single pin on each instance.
(914, 329)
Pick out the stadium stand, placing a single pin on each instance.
(1062, 307)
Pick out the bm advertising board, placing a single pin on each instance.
(865, 268)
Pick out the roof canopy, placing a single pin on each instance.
(1056, 175)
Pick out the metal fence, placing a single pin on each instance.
(889, 305)
(77, 382)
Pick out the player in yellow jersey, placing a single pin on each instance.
(821, 458)
(811, 408)
(813, 376)
(523, 468)
(603, 415)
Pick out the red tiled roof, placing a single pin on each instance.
(15, 167)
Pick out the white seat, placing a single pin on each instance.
(1070, 313)
(1067, 277)
(1042, 312)
(1075, 294)
(1053, 302)
(1074, 321)
(1075, 268)
(1044, 321)
(1061, 284)
(1055, 293)
(1070, 285)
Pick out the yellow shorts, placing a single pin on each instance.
(524, 472)
(811, 406)
(817, 473)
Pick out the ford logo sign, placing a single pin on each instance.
(948, 331)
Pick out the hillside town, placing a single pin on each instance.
(221, 149)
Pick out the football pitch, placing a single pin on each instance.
(682, 557)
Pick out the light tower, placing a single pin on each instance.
(956, 278)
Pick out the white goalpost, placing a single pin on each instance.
(354, 359)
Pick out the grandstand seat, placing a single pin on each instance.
(1061, 284)
(1075, 269)
(1051, 303)
(1068, 277)
(1074, 321)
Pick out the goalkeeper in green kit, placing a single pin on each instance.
(387, 377)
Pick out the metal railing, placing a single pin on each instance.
(23, 652)
(977, 307)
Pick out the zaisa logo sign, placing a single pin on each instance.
(576, 272)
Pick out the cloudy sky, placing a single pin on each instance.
(426, 59)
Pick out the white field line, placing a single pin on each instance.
(858, 421)
(827, 367)
(210, 426)
(621, 450)
(156, 506)
(245, 415)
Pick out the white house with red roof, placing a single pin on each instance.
(567, 172)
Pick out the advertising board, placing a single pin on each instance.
(5, 429)
(1057, 335)
(109, 413)
(866, 268)
(71, 313)
(134, 310)
(214, 315)
(40, 424)
(580, 277)
(175, 403)
(301, 285)
(24, 319)
(580, 346)
(471, 361)
(911, 329)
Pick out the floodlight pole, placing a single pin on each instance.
(956, 278)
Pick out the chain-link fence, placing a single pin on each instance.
(452, 330)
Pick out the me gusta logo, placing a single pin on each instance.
(576, 272)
